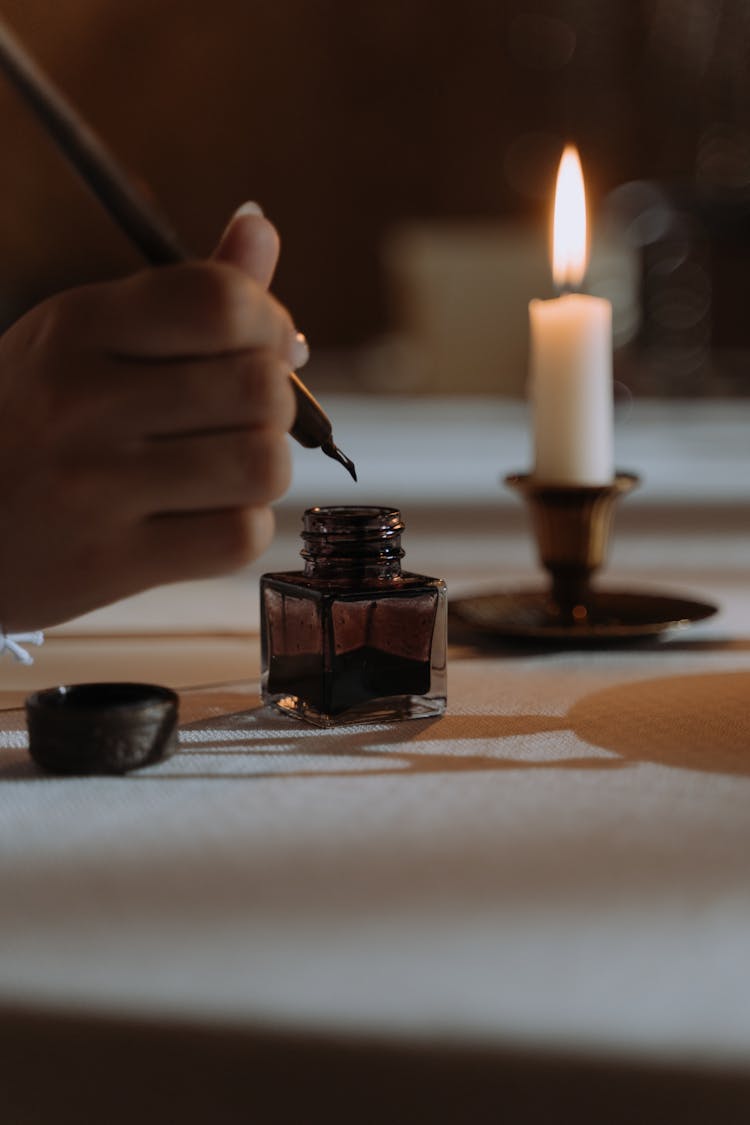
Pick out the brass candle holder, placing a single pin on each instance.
(572, 524)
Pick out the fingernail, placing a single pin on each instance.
(300, 351)
(249, 208)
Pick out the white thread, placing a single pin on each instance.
(11, 642)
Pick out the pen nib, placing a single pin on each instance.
(333, 451)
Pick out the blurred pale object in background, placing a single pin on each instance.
(459, 295)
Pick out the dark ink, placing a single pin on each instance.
(353, 638)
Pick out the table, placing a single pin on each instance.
(536, 906)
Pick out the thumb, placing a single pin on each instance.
(250, 242)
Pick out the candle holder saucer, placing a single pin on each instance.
(613, 616)
(572, 525)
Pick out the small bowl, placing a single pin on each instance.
(101, 728)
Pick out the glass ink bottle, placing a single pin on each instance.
(353, 638)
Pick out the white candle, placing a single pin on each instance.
(571, 355)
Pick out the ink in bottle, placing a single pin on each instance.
(353, 638)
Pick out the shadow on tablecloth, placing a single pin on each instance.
(694, 722)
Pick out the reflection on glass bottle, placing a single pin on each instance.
(353, 638)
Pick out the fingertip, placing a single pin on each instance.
(261, 526)
(240, 537)
(251, 242)
(249, 208)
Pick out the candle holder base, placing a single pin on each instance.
(572, 527)
(572, 524)
(613, 617)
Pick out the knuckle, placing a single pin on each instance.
(238, 545)
(271, 324)
(251, 465)
(222, 299)
(273, 464)
(259, 378)
(268, 391)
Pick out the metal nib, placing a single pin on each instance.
(333, 451)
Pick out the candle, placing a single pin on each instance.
(571, 354)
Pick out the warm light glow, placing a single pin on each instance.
(569, 243)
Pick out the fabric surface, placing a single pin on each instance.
(559, 861)
(561, 858)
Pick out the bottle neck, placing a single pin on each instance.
(352, 543)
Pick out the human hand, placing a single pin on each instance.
(143, 431)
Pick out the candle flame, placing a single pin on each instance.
(569, 235)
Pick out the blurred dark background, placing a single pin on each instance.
(348, 121)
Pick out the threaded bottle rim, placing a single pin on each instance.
(352, 535)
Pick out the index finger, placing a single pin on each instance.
(195, 309)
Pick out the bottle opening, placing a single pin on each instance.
(352, 537)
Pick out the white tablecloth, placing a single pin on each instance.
(560, 866)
